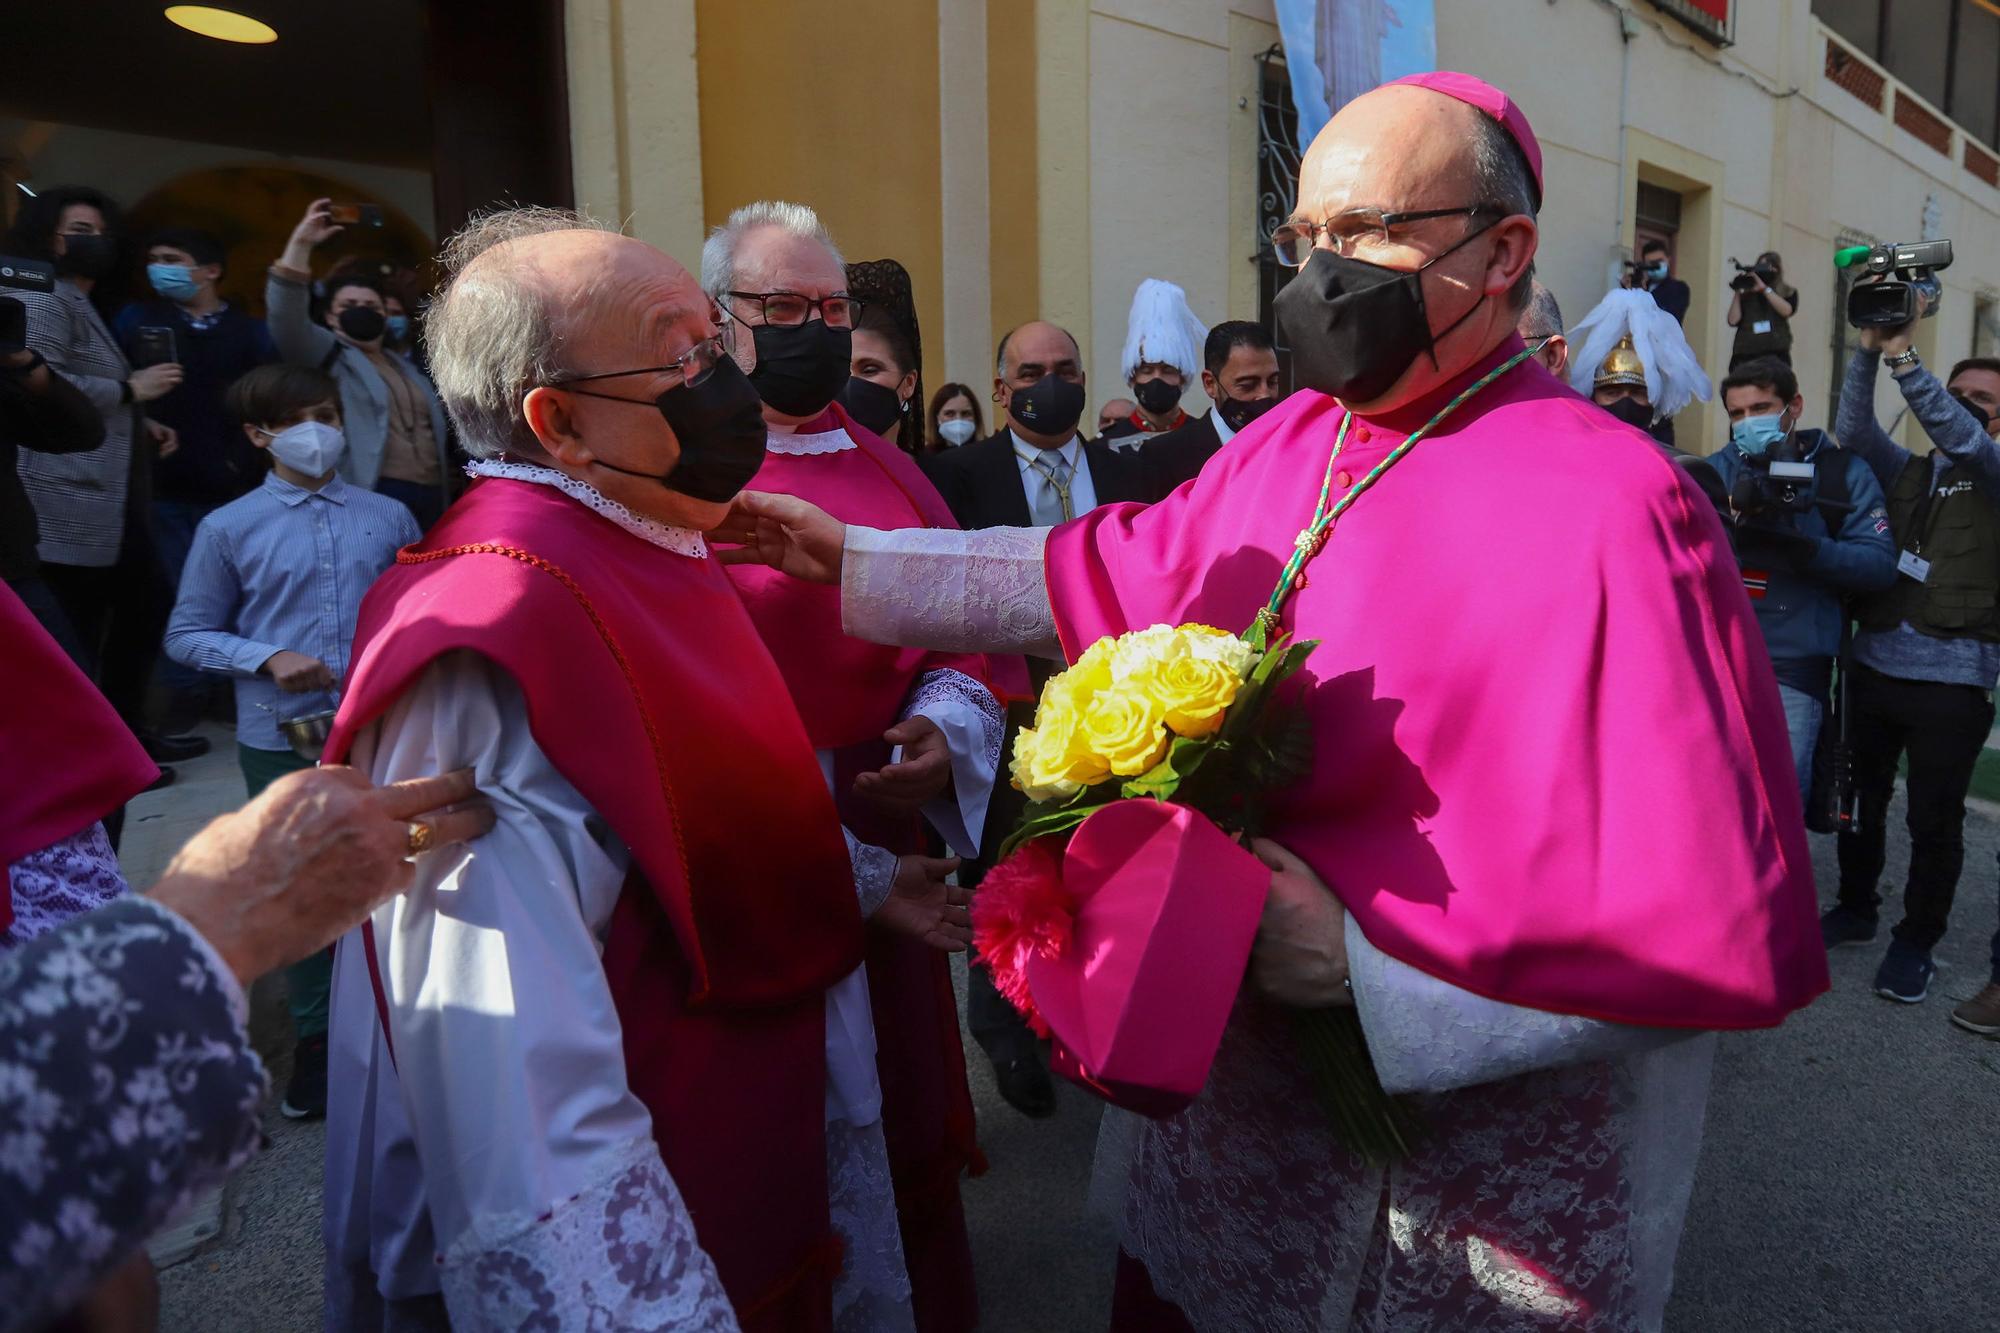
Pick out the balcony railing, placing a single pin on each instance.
(1898, 105)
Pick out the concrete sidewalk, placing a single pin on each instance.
(1849, 1180)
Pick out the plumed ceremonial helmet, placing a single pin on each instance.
(1621, 366)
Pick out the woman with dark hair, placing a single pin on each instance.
(94, 542)
(1761, 311)
(886, 388)
(954, 418)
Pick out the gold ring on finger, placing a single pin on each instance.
(421, 836)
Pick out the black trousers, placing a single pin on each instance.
(1941, 729)
(119, 613)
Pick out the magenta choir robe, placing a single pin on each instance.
(1552, 788)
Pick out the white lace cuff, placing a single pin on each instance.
(874, 872)
(967, 592)
(621, 1254)
(1427, 1035)
(972, 723)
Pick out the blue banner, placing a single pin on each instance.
(1336, 50)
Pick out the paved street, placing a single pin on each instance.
(1850, 1178)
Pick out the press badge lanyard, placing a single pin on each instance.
(1910, 562)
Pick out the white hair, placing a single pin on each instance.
(718, 252)
(492, 334)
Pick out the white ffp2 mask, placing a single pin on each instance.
(311, 447)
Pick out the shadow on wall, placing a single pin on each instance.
(252, 210)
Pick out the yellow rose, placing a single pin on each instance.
(1193, 693)
(1051, 762)
(1137, 654)
(1125, 730)
(1220, 646)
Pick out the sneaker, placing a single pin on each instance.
(1842, 924)
(305, 1094)
(1905, 974)
(1981, 1013)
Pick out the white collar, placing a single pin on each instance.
(681, 541)
(1027, 453)
(809, 442)
(1222, 431)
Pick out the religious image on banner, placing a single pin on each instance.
(1339, 49)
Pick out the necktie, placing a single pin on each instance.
(1052, 506)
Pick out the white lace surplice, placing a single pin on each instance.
(1551, 1190)
(547, 1198)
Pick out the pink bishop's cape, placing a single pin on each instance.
(1551, 764)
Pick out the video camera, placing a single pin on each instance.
(30, 275)
(1913, 292)
(1748, 274)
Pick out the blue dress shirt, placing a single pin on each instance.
(282, 569)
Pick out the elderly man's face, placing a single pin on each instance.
(625, 306)
(1113, 412)
(771, 261)
(1404, 150)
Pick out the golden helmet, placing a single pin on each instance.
(1621, 366)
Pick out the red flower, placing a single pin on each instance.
(1021, 910)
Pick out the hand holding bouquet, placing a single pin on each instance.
(1121, 918)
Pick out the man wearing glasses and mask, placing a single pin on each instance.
(1478, 860)
(591, 1055)
(909, 742)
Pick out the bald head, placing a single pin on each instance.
(535, 294)
(1036, 343)
(1409, 150)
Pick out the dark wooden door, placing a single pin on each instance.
(499, 106)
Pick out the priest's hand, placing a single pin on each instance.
(1300, 954)
(920, 904)
(783, 532)
(921, 776)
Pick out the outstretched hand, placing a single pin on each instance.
(920, 776)
(921, 905)
(783, 532)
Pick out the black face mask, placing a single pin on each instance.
(1979, 413)
(800, 367)
(1355, 327)
(720, 424)
(872, 405)
(1050, 406)
(1157, 396)
(362, 323)
(1240, 412)
(87, 256)
(1632, 412)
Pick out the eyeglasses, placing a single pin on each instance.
(1355, 229)
(692, 365)
(789, 309)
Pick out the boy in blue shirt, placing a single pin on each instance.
(270, 594)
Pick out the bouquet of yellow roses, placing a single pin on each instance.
(1121, 916)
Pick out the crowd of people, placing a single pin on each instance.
(665, 641)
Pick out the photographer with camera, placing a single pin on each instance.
(1928, 651)
(1810, 527)
(1761, 311)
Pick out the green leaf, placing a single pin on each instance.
(1184, 756)
(1043, 818)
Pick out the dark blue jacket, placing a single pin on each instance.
(215, 462)
(1800, 612)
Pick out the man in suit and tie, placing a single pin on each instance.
(1035, 470)
(1240, 376)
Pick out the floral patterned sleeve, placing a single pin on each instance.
(127, 1088)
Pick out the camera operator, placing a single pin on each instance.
(1809, 526)
(1761, 311)
(1927, 654)
(43, 412)
(1653, 273)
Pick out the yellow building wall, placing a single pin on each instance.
(835, 106)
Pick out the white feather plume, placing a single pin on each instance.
(1673, 375)
(1162, 329)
